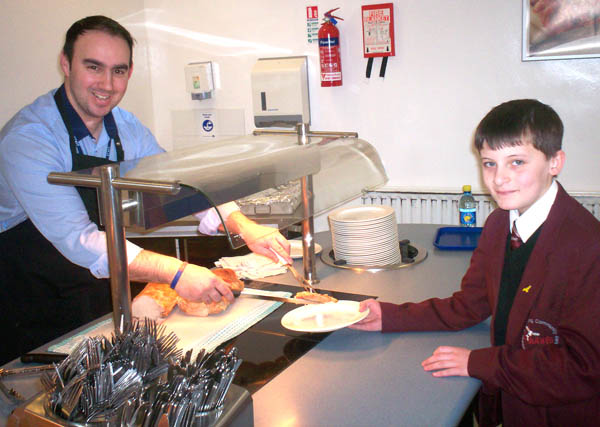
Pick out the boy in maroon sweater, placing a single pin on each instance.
(536, 271)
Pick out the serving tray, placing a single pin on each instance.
(457, 238)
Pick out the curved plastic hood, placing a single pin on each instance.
(229, 169)
(253, 170)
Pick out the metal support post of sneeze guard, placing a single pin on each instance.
(308, 228)
(109, 186)
(112, 212)
(308, 244)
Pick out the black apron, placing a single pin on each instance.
(43, 295)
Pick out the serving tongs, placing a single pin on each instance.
(307, 287)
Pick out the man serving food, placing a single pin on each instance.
(54, 267)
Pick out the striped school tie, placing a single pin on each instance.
(515, 239)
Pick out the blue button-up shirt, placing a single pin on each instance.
(34, 143)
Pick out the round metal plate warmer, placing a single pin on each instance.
(328, 258)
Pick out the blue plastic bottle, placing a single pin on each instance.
(467, 208)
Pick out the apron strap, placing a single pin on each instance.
(109, 124)
(60, 103)
(82, 161)
(113, 134)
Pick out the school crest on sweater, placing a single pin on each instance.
(538, 332)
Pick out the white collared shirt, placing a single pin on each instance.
(535, 216)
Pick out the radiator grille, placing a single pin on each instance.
(442, 208)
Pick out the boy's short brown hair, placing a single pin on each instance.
(512, 122)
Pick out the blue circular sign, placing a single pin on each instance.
(207, 125)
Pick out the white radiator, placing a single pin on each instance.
(442, 208)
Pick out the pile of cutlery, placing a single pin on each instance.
(139, 377)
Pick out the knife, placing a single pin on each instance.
(299, 301)
(43, 357)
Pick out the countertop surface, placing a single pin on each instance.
(366, 378)
(369, 378)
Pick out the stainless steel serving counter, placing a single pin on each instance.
(368, 378)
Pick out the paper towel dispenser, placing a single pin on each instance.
(280, 92)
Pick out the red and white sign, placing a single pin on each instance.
(378, 30)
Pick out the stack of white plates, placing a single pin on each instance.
(365, 235)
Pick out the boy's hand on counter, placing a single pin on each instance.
(199, 284)
(373, 321)
(448, 361)
(259, 238)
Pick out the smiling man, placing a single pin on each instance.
(54, 263)
(97, 69)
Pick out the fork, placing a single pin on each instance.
(12, 394)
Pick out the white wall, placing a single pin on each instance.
(32, 36)
(454, 61)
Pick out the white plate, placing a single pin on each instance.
(362, 214)
(296, 249)
(323, 317)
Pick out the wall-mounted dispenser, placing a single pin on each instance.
(199, 80)
(280, 92)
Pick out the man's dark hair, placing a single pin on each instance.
(518, 121)
(96, 23)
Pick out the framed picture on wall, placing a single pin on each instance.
(561, 29)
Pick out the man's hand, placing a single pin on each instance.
(196, 283)
(259, 238)
(448, 361)
(373, 320)
(201, 285)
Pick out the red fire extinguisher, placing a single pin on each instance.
(329, 51)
